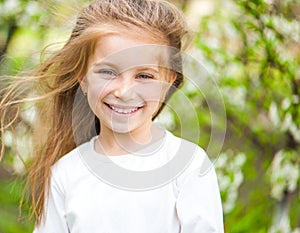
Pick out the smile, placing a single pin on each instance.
(123, 109)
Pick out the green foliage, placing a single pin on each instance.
(252, 49)
(10, 222)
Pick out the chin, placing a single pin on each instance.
(123, 129)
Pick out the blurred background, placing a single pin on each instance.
(252, 50)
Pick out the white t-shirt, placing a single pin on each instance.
(169, 187)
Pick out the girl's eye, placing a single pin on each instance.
(145, 76)
(106, 73)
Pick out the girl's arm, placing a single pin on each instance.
(54, 220)
(198, 204)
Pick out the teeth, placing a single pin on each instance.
(122, 110)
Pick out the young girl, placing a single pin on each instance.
(101, 164)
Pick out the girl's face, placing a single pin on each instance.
(125, 84)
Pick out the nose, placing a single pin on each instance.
(124, 86)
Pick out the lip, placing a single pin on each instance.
(123, 109)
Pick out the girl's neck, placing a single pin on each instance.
(112, 143)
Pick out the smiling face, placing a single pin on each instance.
(125, 84)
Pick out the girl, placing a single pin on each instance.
(101, 164)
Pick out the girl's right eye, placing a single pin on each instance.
(105, 73)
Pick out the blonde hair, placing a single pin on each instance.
(56, 85)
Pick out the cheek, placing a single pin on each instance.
(96, 91)
(153, 91)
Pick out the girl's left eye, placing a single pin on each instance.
(144, 76)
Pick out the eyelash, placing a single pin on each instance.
(144, 76)
(109, 72)
(106, 72)
(112, 73)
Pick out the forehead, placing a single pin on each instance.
(129, 50)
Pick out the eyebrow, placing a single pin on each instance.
(141, 68)
(100, 63)
(151, 67)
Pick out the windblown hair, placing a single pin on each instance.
(57, 92)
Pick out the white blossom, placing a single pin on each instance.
(9, 7)
(284, 173)
(8, 138)
(235, 96)
(285, 104)
(287, 122)
(295, 131)
(283, 226)
(273, 114)
(229, 170)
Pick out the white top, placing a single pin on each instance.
(171, 187)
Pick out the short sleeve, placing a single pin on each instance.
(54, 220)
(198, 204)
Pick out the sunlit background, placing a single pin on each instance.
(252, 50)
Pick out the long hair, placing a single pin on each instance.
(56, 85)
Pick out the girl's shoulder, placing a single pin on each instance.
(192, 157)
(186, 150)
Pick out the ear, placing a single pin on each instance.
(172, 77)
